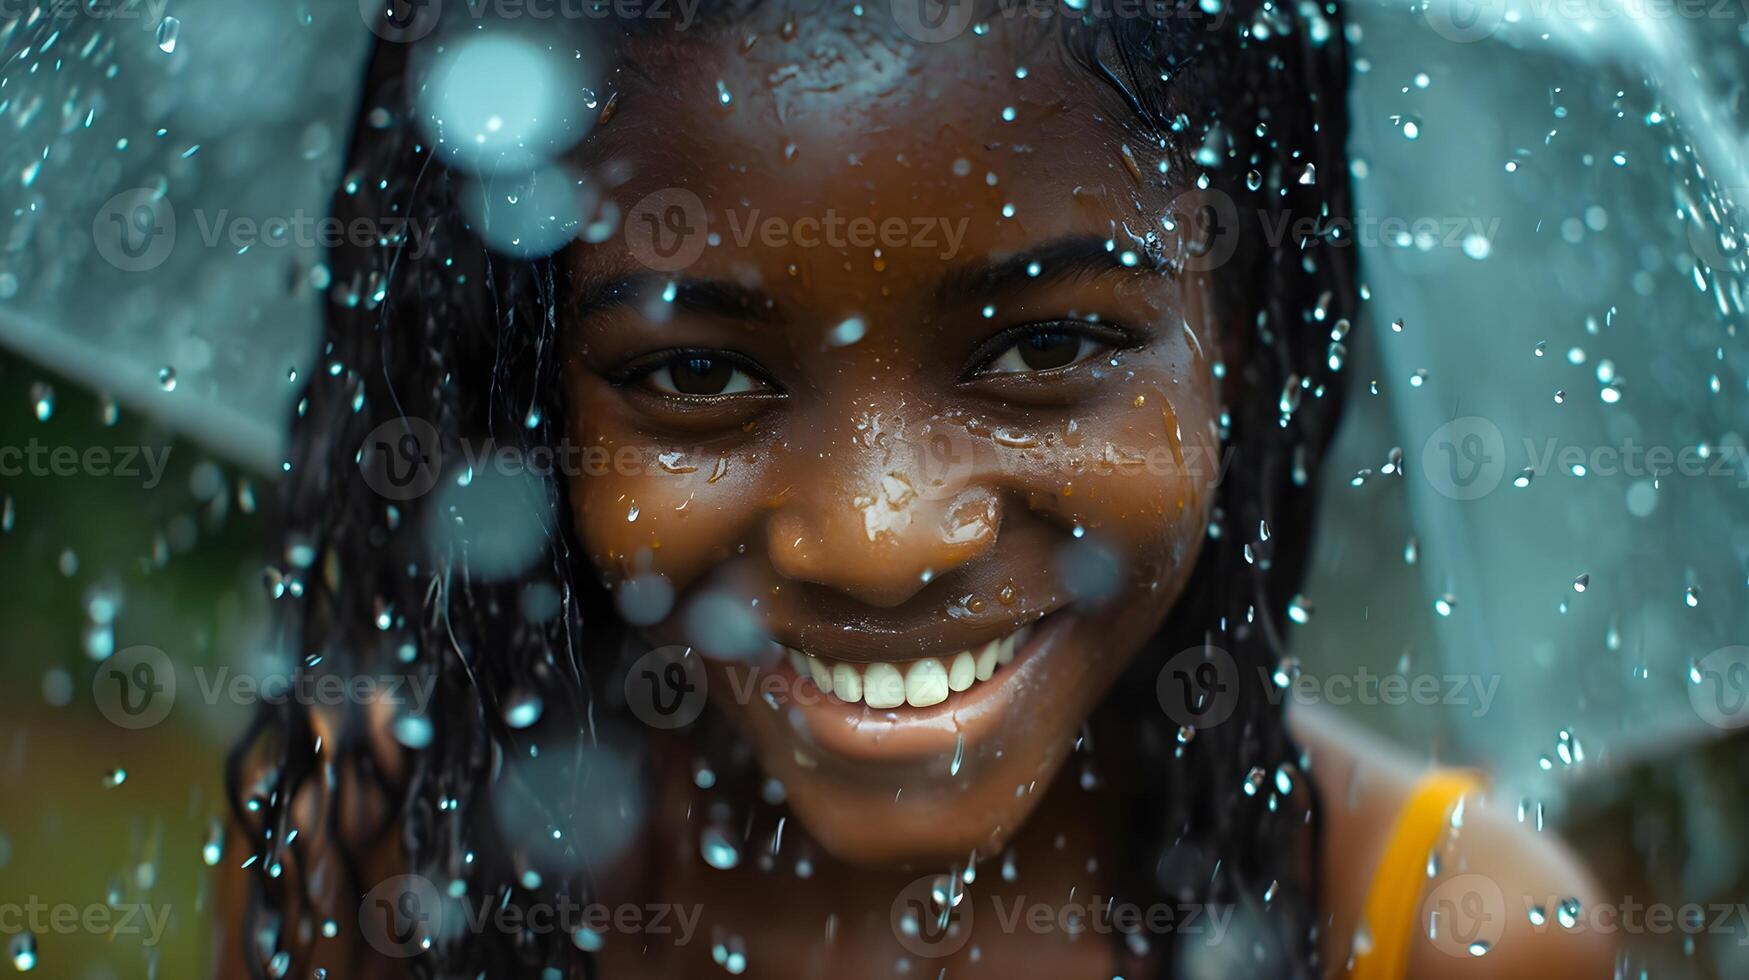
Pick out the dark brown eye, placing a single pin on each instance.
(700, 374)
(1043, 349)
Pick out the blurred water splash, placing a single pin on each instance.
(1563, 291)
(154, 216)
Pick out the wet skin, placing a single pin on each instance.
(828, 503)
(832, 514)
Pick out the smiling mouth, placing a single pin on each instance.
(931, 707)
(919, 683)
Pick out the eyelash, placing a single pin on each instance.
(655, 370)
(998, 347)
(659, 364)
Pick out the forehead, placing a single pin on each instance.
(786, 119)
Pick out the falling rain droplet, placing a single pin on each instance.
(213, 851)
(847, 332)
(1580, 583)
(523, 710)
(167, 378)
(114, 778)
(169, 29)
(1299, 609)
(1691, 596)
(24, 952)
(42, 401)
(718, 850)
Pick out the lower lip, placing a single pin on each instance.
(906, 733)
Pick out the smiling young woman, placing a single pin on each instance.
(927, 525)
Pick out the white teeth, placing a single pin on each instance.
(822, 674)
(987, 661)
(919, 683)
(883, 686)
(847, 682)
(925, 683)
(963, 673)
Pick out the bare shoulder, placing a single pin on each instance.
(1492, 909)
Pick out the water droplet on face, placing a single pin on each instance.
(847, 332)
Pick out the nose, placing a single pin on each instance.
(876, 538)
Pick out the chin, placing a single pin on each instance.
(903, 785)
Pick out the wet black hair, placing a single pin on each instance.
(1250, 93)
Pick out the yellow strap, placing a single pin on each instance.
(1391, 905)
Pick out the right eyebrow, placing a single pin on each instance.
(708, 297)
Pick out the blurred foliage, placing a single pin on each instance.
(179, 564)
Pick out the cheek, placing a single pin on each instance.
(660, 504)
(1139, 475)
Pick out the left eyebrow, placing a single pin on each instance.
(1055, 260)
(710, 297)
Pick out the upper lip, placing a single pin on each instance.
(858, 645)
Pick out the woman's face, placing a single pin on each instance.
(921, 405)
